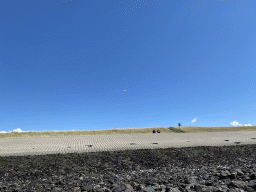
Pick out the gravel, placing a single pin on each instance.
(211, 168)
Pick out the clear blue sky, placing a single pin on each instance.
(65, 64)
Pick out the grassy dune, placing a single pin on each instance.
(127, 131)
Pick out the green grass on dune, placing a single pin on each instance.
(127, 131)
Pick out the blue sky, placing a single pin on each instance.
(65, 64)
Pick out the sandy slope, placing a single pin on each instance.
(92, 143)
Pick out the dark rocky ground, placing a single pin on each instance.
(228, 168)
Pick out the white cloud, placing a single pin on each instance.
(235, 123)
(19, 130)
(194, 120)
(15, 130)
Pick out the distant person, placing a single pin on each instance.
(158, 131)
(154, 131)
